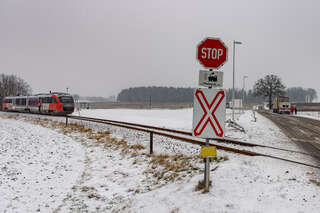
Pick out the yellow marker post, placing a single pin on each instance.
(208, 151)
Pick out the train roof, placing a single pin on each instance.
(40, 94)
(15, 96)
(52, 93)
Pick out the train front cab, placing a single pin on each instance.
(64, 104)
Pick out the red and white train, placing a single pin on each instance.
(47, 103)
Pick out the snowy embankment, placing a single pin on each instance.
(117, 174)
(38, 167)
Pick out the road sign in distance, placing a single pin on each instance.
(209, 112)
(210, 78)
(212, 53)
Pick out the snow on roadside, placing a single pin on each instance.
(38, 167)
(257, 131)
(313, 115)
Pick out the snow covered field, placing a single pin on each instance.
(47, 167)
(313, 115)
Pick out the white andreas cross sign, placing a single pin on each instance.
(209, 108)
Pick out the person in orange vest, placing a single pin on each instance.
(39, 105)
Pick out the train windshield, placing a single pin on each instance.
(66, 99)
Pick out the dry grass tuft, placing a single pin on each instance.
(95, 196)
(219, 159)
(137, 147)
(87, 188)
(170, 167)
(316, 182)
(161, 159)
(201, 186)
(14, 116)
(175, 210)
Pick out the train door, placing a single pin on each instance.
(13, 106)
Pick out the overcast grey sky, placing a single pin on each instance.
(98, 47)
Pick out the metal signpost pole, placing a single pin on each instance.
(207, 170)
(233, 82)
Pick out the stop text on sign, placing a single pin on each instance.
(211, 53)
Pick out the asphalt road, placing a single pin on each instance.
(304, 132)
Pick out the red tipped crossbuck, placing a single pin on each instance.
(209, 113)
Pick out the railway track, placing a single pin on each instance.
(187, 137)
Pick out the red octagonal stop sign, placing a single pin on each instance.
(212, 53)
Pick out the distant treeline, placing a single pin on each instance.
(299, 94)
(94, 98)
(156, 94)
(172, 94)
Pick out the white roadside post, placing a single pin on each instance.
(243, 90)
(209, 103)
(234, 55)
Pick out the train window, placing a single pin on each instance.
(66, 99)
(54, 100)
(21, 101)
(8, 101)
(33, 102)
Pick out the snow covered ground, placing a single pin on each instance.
(313, 115)
(37, 166)
(84, 167)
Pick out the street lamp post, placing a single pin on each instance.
(244, 84)
(234, 44)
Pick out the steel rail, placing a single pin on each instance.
(188, 140)
(224, 140)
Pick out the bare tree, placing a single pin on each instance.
(11, 85)
(269, 86)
